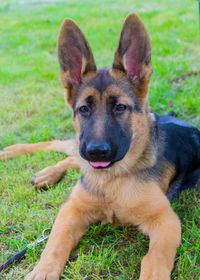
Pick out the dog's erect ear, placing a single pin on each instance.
(133, 54)
(75, 57)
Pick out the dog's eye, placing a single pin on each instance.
(119, 108)
(84, 109)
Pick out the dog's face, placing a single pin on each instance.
(106, 102)
(103, 112)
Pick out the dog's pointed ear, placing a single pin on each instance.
(75, 57)
(133, 54)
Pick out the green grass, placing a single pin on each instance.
(32, 109)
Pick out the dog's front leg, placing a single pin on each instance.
(164, 231)
(73, 219)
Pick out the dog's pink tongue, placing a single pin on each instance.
(100, 163)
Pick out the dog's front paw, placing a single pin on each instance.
(47, 177)
(43, 273)
(154, 268)
(4, 155)
(10, 151)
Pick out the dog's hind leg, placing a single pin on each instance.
(67, 147)
(52, 174)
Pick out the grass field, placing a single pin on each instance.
(32, 109)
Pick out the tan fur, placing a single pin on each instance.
(19, 149)
(50, 175)
(116, 194)
(124, 200)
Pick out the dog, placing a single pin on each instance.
(133, 160)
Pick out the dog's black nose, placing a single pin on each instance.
(98, 151)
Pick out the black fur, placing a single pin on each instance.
(182, 149)
(103, 80)
(176, 143)
(117, 136)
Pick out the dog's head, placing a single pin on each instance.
(109, 105)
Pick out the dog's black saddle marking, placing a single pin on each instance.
(182, 149)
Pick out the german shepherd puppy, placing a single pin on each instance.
(132, 159)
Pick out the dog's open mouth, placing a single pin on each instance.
(100, 164)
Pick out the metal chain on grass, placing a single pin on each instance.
(22, 253)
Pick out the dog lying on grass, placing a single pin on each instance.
(133, 161)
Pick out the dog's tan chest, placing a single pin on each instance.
(121, 201)
(130, 201)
